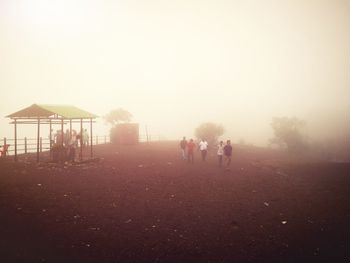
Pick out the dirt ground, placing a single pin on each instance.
(143, 204)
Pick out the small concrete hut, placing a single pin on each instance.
(42, 114)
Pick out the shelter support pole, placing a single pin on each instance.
(91, 138)
(62, 132)
(50, 135)
(25, 145)
(15, 140)
(81, 139)
(38, 142)
(70, 128)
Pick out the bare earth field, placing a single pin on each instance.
(143, 204)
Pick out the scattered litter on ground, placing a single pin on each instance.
(279, 172)
(266, 204)
(128, 221)
(284, 222)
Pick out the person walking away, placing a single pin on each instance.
(228, 153)
(183, 145)
(203, 147)
(190, 151)
(220, 152)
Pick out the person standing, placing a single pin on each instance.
(67, 137)
(52, 138)
(183, 145)
(190, 151)
(203, 147)
(85, 138)
(73, 143)
(220, 152)
(228, 153)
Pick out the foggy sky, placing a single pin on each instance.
(175, 64)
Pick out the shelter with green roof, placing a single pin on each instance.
(43, 114)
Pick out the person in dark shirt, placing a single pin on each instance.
(190, 151)
(228, 153)
(183, 145)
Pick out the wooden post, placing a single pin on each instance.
(70, 128)
(96, 139)
(62, 132)
(147, 133)
(91, 154)
(41, 144)
(38, 141)
(25, 145)
(15, 140)
(5, 144)
(105, 139)
(50, 135)
(81, 139)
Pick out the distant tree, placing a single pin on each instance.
(209, 131)
(288, 133)
(115, 117)
(118, 116)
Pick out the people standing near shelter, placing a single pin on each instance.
(220, 152)
(183, 145)
(203, 147)
(85, 138)
(228, 153)
(190, 151)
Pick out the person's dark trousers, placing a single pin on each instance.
(204, 155)
(220, 159)
(190, 157)
(72, 154)
(228, 160)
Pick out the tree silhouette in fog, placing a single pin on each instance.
(288, 133)
(115, 118)
(118, 116)
(209, 131)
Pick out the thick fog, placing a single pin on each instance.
(176, 64)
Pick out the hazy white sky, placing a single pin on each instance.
(175, 64)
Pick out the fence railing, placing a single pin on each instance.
(29, 145)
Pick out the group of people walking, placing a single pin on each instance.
(224, 151)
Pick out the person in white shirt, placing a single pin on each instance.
(203, 147)
(220, 152)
